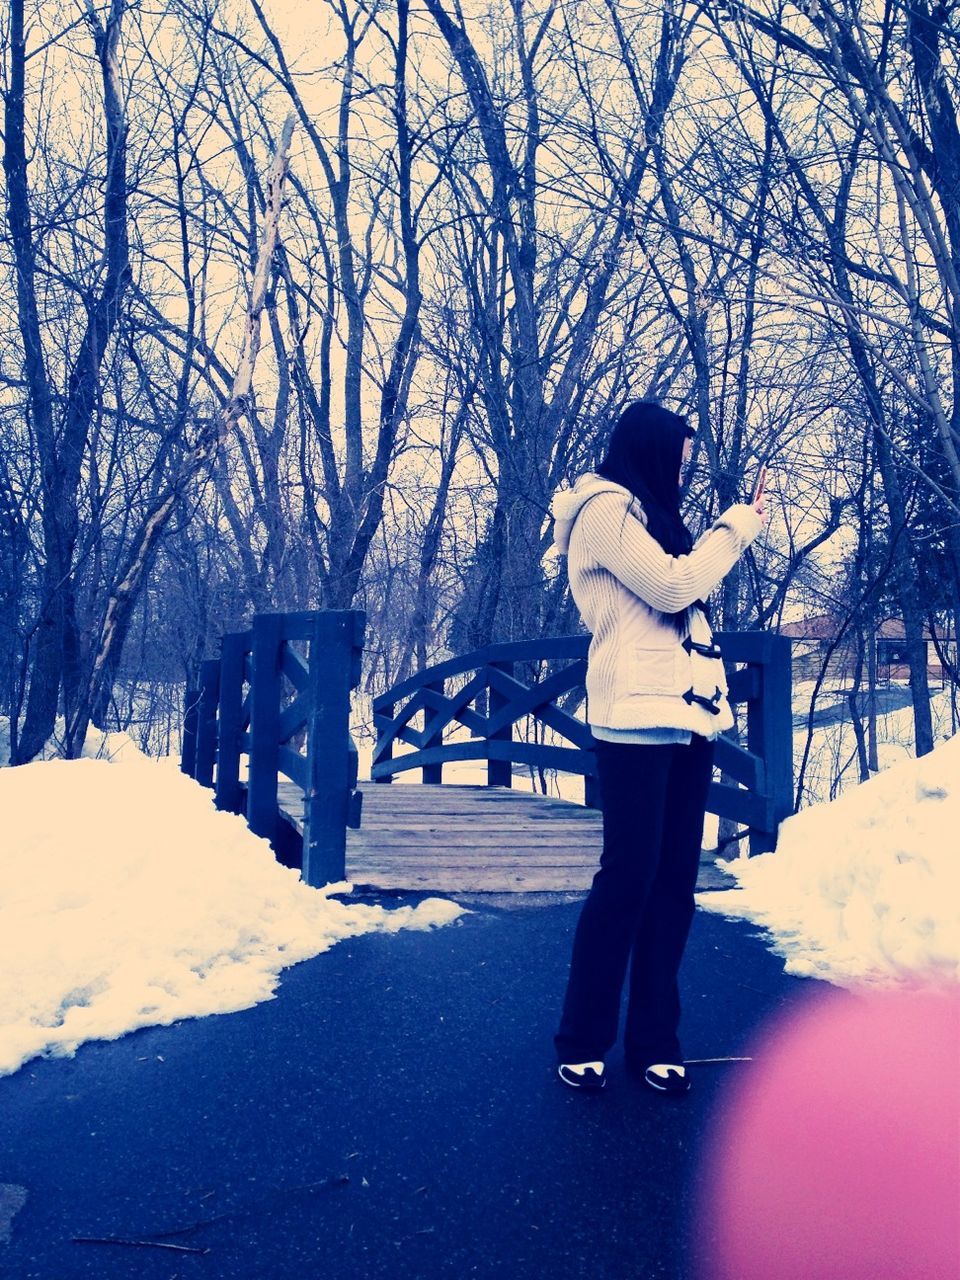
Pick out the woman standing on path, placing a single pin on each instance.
(656, 700)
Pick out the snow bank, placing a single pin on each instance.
(127, 900)
(864, 889)
(116, 747)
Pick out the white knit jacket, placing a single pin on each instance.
(640, 673)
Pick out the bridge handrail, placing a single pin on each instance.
(512, 651)
(222, 723)
(763, 769)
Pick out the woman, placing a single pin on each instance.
(656, 700)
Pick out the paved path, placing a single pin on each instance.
(394, 1112)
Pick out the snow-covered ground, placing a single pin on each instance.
(127, 900)
(864, 889)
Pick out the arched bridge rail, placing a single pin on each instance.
(757, 786)
(499, 700)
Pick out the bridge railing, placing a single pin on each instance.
(482, 692)
(279, 695)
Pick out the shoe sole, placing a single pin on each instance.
(584, 1086)
(678, 1089)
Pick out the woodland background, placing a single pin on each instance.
(501, 222)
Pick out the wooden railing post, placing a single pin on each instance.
(207, 721)
(229, 792)
(433, 773)
(335, 651)
(500, 772)
(188, 743)
(770, 735)
(264, 725)
(388, 711)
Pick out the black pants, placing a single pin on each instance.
(640, 904)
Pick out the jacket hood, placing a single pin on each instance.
(568, 503)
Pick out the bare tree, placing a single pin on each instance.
(896, 329)
(62, 424)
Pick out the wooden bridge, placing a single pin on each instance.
(268, 729)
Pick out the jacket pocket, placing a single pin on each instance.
(655, 670)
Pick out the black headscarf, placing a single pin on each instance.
(644, 455)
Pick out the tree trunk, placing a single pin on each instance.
(57, 658)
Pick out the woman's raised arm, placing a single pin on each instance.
(618, 541)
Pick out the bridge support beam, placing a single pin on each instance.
(500, 772)
(330, 802)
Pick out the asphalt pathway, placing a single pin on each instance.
(394, 1112)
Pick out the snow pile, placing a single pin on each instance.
(864, 889)
(127, 900)
(116, 747)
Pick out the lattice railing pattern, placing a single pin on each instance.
(483, 692)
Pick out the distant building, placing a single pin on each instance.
(813, 637)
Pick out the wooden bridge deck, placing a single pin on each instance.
(460, 839)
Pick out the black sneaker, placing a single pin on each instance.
(667, 1077)
(589, 1076)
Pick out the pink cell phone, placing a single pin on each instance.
(759, 486)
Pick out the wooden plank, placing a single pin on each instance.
(438, 847)
(490, 828)
(532, 650)
(419, 865)
(742, 806)
(538, 834)
(457, 799)
(482, 833)
(740, 764)
(421, 856)
(206, 757)
(463, 817)
(230, 723)
(500, 842)
(454, 804)
(576, 837)
(295, 669)
(448, 802)
(418, 859)
(488, 831)
(293, 717)
(188, 746)
(493, 852)
(432, 735)
(494, 817)
(296, 767)
(490, 882)
(516, 651)
(450, 839)
(774, 739)
(329, 776)
(456, 707)
(542, 812)
(264, 714)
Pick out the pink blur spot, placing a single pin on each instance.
(836, 1154)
